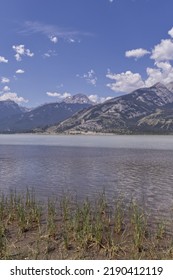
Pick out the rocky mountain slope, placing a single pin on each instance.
(161, 121)
(131, 113)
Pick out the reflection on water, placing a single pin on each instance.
(141, 171)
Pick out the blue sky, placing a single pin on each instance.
(103, 48)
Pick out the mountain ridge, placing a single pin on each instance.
(22, 120)
(144, 110)
(118, 115)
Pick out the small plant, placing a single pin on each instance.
(65, 202)
(51, 218)
(84, 224)
(139, 226)
(66, 239)
(98, 229)
(119, 217)
(160, 230)
(22, 218)
(102, 204)
(3, 242)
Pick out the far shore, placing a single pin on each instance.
(89, 133)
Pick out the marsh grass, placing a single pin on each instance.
(139, 226)
(66, 229)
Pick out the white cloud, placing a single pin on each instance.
(6, 88)
(103, 99)
(5, 80)
(53, 94)
(90, 77)
(12, 96)
(59, 95)
(3, 59)
(46, 55)
(154, 76)
(21, 51)
(94, 98)
(20, 71)
(125, 82)
(128, 81)
(162, 73)
(71, 40)
(49, 54)
(137, 53)
(18, 57)
(53, 39)
(163, 51)
(6, 93)
(97, 99)
(170, 32)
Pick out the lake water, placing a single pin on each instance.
(137, 167)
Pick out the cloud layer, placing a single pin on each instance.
(53, 32)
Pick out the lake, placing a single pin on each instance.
(135, 167)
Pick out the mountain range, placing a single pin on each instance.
(14, 118)
(145, 110)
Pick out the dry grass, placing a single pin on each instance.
(65, 229)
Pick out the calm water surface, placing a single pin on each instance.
(137, 167)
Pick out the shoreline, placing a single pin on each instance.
(87, 134)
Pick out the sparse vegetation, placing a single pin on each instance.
(65, 229)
